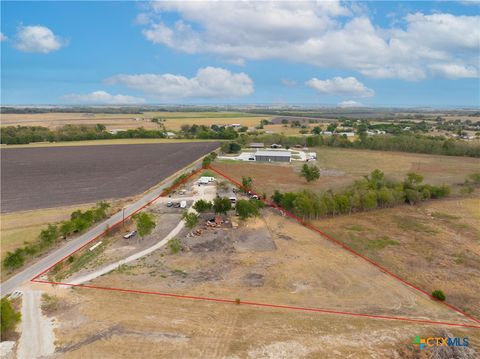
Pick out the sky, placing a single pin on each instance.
(325, 53)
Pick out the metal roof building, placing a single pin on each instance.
(273, 156)
(256, 145)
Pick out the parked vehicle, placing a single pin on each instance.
(176, 205)
(182, 192)
(130, 234)
(183, 204)
(169, 204)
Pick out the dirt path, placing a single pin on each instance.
(37, 330)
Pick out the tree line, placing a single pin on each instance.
(79, 221)
(372, 192)
(416, 143)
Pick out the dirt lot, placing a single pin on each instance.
(58, 176)
(300, 268)
(341, 167)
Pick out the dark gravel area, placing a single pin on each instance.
(44, 177)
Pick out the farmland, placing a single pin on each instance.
(58, 176)
(173, 120)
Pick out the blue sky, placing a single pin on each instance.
(332, 53)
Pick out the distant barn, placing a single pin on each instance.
(273, 156)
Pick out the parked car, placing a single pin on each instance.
(183, 204)
(254, 196)
(176, 205)
(169, 204)
(130, 234)
(182, 191)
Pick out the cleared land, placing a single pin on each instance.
(341, 167)
(57, 176)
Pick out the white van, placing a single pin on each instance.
(183, 204)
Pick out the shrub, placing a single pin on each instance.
(246, 209)
(174, 245)
(221, 205)
(310, 173)
(438, 294)
(191, 219)
(9, 318)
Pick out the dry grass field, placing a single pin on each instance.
(341, 167)
(20, 227)
(270, 260)
(435, 245)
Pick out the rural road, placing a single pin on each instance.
(28, 273)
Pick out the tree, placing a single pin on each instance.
(277, 197)
(317, 130)
(49, 235)
(246, 209)
(438, 294)
(9, 319)
(247, 183)
(145, 223)
(66, 228)
(191, 219)
(14, 260)
(414, 178)
(202, 206)
(221, 205)
(310, 173)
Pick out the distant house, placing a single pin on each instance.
(273, 156)
(348, 134)
(275, 145)
(256, 145)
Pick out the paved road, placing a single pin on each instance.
(28, 273)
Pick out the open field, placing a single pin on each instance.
(271, 260)
(20, 227)
(58, 176)
(341, 167)
(173, 120)
(435, 245)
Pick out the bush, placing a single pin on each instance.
(174, 245)
(9, 318)
(310, 173)
(14, 260)
(191, 219)
(438, 294)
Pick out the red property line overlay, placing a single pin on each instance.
(268, 305)
(164, 193)
(344, 246)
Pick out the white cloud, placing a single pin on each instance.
(454, 71)
(342, 86)
(288, 82)
(209, 82)
(328, 34)
(103, 97)
(349, 104)
(37, 39)
(2, 37)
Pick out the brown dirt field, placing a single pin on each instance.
(57, 176)
(341, 167)
(438, 245)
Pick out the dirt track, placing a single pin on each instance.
(35, 178)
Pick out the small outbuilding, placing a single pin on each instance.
(273, 156)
